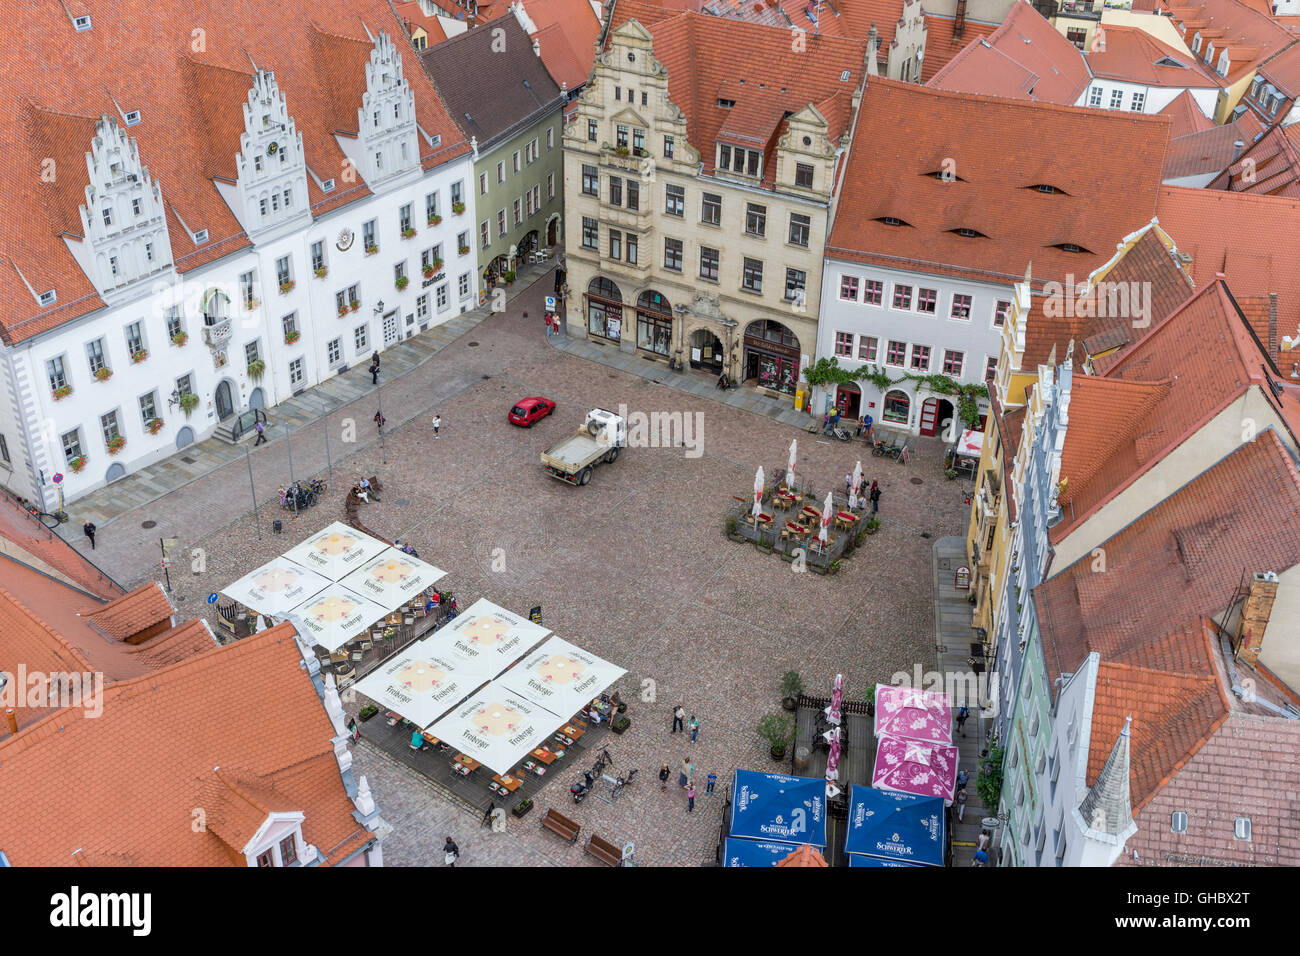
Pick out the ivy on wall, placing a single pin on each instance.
(827, 371)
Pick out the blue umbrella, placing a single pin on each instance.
(857, 859)
(891, 825)
(740, 852)
(772, 806)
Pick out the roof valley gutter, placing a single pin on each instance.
(1240, 691)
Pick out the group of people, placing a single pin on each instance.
(873, 495)
(686, 781)
(362, 491)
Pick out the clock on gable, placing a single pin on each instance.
(272, 148)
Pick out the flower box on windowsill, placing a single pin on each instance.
(322, 272)
(408, 233)
(343, 310)
(116, 445)
(435, 220)
(251, 304)
(291, 337)
(355, 306)
(63, 392)
(401, 282)
(139, 355)
(104, 374)
(155, 425)
(179, 339)
(78, 463)
(464, 250)
(256, 369)
(286, 287)
(371, 250)
(458, 207)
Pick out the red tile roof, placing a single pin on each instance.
(29, 643)
(1246, 237)
(566, 32)
(23, 538)
(1250, 34)
(1173, 716)
(1002, 150)
(248, 709)
(1186, 115)
(1269, 167)
(191, 105)
(710, 59)
(413, 16)
(1210, 150)
(1134, 56)
(1025, 58)
(143, 608)
(842, 18)
(1282, 69)
(1178, 561)
(941, 46)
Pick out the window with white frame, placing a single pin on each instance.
(361, 338)
(873, 292)
(431, 207)
(1116, 99)
(896, 353)
(796, 283)
(1094, 97)
(134, 339)
(844, 344)
(518, 210)
(550, 137)
(673, 255)
(462, 285)
(550, 186)
(109, 425)
(1001, 310)
(334, 351)
(515, 161)
(485, 234)
(902, 296)
(800, 227)
(752, 275)
(501, 223)
(95, 355)
(71, 445)
(674, 200)
(441, 298)
(422, 307)
(295, 372)
(175, 322)
(252, 352)
(927, 301)
(290, 324)
(1139, 100)
(482, 184)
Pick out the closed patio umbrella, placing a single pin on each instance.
(758, 494)
(827, 510)
(789, 468)
(856, 493)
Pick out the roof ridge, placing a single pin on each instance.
(1037, 106)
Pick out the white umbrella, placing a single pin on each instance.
(336, 551)
(488, 638)
(497, 727)
(824, 534)
(418, 684)
(560, 677)
(789, 468)
(277, 587)
(334, 616)
(856, 493)
(392, 578)
(758, 494)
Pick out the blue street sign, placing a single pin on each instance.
(212, 598)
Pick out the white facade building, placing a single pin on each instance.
(307, 290)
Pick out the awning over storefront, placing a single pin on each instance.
(771, 806)
(336, 551)
(561, 677)
(277, 587)
(895, 827)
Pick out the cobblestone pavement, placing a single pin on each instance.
(633, 566)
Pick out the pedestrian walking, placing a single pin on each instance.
(260, 428)
(559, 281)
(374, 371)
(450, 852)
(710, 783)
(962, 777)
(962, 713)
(88, 529)
(961, 805)
(690, 799)
(437, 423)
(663, 777)
(379, 421)
(685, 773)
(981, 858)
(374, 358)
(679, 717)
(982, 842)
(875, 497)
(695, 728)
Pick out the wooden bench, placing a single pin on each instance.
(558, 823)
(604, 851)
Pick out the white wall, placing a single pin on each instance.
(1156, 97)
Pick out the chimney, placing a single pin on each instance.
(1254, 616)
(1272, 324)
(537, 47)
(1237, 147)
(872, 43)
(959, 21)
(12, 720)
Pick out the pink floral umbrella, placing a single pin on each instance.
(837, 699)
(913, 767)
(833, 762)
(916, 714)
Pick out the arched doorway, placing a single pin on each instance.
(934, 413)
(706, 351)
(256, 399)
(604, 309)
(553, 231)
(115, 471)
(223, 398)
(654, 323)
(216, 307)
(848, 399)
(897, 408)
(185, 436)
(527, 245)
(772, 356)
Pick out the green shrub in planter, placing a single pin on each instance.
(620, 724)
(367, 712)
(522, 807)
(778, 731)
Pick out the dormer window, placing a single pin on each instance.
(745, 162)
(1209, 52)
(288, 850)
(1255, 84)
(892, 221)
(82, 23)
(726, 104)
(1196, 43)
(1070, 247)
(969, 233)
(133, 118)
(1223, 64)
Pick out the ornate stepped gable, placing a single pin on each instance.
(389, 138)
(271, 165)
(123, 217)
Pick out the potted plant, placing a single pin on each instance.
(179, 339)
(189, 401)
(408, 232)
(402, 282)
(435, 219)
(356, 305)
(321, 273)
(256, 369)
(464, 250)
(291, 337)
(154, 425)
(509, 276)
(371, 248)
(729, 526)
(458, 207)
(116, 444)
(62, 392)
(427, 271)
(251, 304)
(873, 525)
(522, 807)
(366, 712)
(622, 150)
(778, 731)
(104, 374)
(389, 633)
(78, 463)
(791, 688)
(619, 724)
(950, 474)
(139, 355)
(286, 286)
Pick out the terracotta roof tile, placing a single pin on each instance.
(23, 538)
(1186, 115)
(132, 613)
(1003, 149)
(1132, 55)
(1270, 166)
(1210, 150)
(1253, 36)
(29, 643)
(1177, 562)
(249, 708)
(941, 47)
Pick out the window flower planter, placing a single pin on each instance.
(287, 287)
(458, 207)
(104, 374)
(435, 220)
(251, 304)
(437, 264)
(322, 272)
(464, 250)
(63, 392)
(371, 250)
(256, 369)
(427, 272)
(139, 355)
(401, 282)
(179, 339)
(408, 232)
(622, 151)
(356, 305)
(78, 463)
(189, 401)
(154, 425)
(291, 337)
(343, 310)
(116, 445)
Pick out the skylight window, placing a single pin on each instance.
(726, 104)
(327, 186)
(892, 221)
(48, 298)
(200, 237)
(81, 23)
(133, 118)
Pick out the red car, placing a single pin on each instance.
(529, 410)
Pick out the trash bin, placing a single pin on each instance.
(798, 399)
(801, 758)
(277, 526)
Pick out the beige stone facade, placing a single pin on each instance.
(687, 288)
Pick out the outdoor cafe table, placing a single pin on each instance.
(430, 738)
(545, 756)
(808, 511)
(844, 519)
(796, 528)
(507, 782)
(464, 765)
(572, 731)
